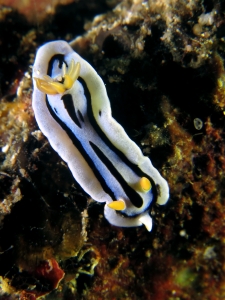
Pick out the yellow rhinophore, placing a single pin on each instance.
(117, 205)
(144, 184)
(60, 84)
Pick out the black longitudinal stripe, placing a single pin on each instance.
(82, 151)
(134, 197)
(80, 115)
(61, 60)
(69, 106)
(95, 125)
(120, 154)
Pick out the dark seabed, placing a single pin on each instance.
(162, 62)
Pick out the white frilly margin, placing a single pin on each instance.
(116, 219)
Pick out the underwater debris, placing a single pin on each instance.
(47, 275)
(198, 123)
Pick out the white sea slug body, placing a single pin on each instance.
(73, 111)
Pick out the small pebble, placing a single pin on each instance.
(198, 123)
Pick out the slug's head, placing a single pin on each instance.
(60, 84)
(142, 186)
(124, 213)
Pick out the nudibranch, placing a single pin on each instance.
(73, 111)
